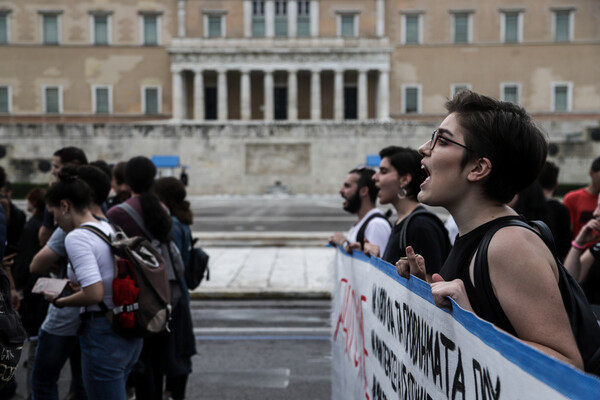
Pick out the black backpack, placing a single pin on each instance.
(424, 212)
(198, 266)
(360, 236)
(581, 317)
(12, 333)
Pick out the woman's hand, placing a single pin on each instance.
(442, 290)
(589, 233)
(412, 264)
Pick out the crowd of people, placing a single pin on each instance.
(485, 164)
(73, 325)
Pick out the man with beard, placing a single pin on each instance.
(360, 194)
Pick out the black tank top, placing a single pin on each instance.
(457, 267)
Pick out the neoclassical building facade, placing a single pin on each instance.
(313, 60)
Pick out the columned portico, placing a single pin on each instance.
(177, 94)
(336, 79)
(362, 94)
(315, 95)
(245, 95)
(338, 90)
(268, 109)
(292, 95)
(222, 95)
(198, 95)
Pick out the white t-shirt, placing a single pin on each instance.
(91, 261)
(377, 232)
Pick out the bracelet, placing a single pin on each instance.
(578, 246)
(345, 243)
(55, 304)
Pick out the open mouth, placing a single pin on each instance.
(428, 175)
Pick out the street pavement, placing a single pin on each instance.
(268, 272)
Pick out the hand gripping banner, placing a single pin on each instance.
(390, 341)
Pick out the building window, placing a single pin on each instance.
(411, 99)
(411, 32)
(462, 27)
(5, 100)
(150, 29)
(151, 100)
(456, 88)
(102, 99)
(51, 28)
(214, 25)
(281, 18)
(563, 25)
(101, 30)
(511, 27)
(258, 18)
(348, 25)
(511, 92)
(561, 97)
(4, 28)
(303, 22)
(52, 99)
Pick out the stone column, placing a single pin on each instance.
(269, 18)
(383, 95)
(314, 18)
(247, 18)
(269, 110)
(338, 103)
(181, 18)
(292, 9)
(245, 95)
(199, 95)
(222, 111)
(292, 95)
(315, 95)
(177, 94)
(362, 94)
(380, 18)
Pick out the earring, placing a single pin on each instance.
(402, 194)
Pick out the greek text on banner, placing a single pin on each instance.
(390, 341)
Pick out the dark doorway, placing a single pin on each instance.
(350, 109)
(210, 103)
(280, 100)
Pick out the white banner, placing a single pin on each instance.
(390, 341)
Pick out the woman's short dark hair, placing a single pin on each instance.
(69, 187)
(406, 161)
(171, 191)
(504, 133)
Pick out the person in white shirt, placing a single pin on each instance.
(106, 357)
(360, 195)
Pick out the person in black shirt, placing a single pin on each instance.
(398, 180)
(484, 152)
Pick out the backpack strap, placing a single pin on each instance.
(481, 272)
(137, 218)
(420, 210)
(360, 236)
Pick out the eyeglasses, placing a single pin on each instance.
(436, 135)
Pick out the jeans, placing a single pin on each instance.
(106, 359)
(51, 354)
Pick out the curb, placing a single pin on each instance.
(260, 294)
